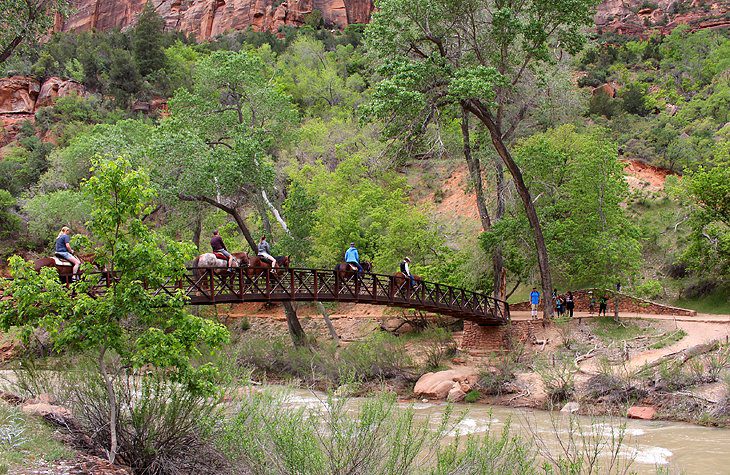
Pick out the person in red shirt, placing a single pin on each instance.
(216, 242)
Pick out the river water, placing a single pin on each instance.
(683, 448)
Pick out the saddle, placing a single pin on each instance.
(353, 267)
(219, 255)
(59, 261)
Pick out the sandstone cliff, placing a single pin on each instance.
(208, 18)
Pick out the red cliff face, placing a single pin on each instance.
(641, 17)
(208, 18)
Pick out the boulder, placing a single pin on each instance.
(54, 88)
(18, 95)
(456, 394)
(438, 385)
(641, 412)
(571, 407)
(46, 410)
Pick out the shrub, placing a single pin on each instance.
(472, 396)
(649, 289)
(162, 428)
(439, 345)
(496, 380)
(558, 378)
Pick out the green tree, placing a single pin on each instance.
(580, 185)
(24, 21)
(9, 221)
(127, 324)
(147, 39)
(475, 56)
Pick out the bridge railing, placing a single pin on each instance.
(204, 286)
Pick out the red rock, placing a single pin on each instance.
(55, 87)
(641, 412)
(18, 95)
(208, 18)
(438, 385)
(608, 89)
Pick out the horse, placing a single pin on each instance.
(402, 282)
(345, 271)
(64, 267)
(210, 260)
(258, 265)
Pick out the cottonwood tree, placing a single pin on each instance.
(128, 326)
(26, 20)
(216, 147)
(475, 56)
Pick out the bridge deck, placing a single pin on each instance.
(205, 286)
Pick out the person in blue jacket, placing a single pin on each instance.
(352, 257)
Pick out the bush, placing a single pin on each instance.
(496, 381)
(472, 396)
(439, 345)
(649, 289)
(380, 356)
(558, 378)
(162, 428)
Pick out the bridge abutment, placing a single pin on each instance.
(479, 340)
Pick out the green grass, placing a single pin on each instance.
(472, 396)
(716, 302)
(32, 440)
(608, 330)
(669, 339)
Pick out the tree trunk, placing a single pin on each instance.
(475, 173)
(328, 322)
(295, 327)
(233, 212)
(260, 207)
(197, 230)
(112, 453)
(483, 114)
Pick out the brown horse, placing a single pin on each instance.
(401, 282)
(65, 270)
(258, 266)
(345, 271)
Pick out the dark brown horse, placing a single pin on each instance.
(258, 265)
(401, 283)
(65, 270)
(345, 271)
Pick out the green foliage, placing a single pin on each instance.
(139, 327)
(669, 339)
(649, 289)
(24, 22)
(147, 40)
(9, 221)
(472, 396)
(580, 185)
(48, 212)
(610, 331)
(352, 206)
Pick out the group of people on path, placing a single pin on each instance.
(563, 304)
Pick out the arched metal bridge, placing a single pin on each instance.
(206, 286)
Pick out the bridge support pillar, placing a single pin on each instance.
(481, 340)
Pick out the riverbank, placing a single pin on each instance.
(674, 365)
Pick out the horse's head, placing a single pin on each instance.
(283, 261)
(367, 266)
(240, 259)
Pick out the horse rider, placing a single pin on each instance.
(64, 251)
(217, 244)
(406, 270)
(352, 257)
(264, 251)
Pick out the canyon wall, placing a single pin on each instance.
(208, 18)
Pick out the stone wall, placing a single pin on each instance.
(480, 340)
(627, 304)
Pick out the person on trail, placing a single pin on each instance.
(555, 299)
(534, 301)
(265, 251)
(603, 305)
(405, 269)
(64, 251)
(570, 303)
(591, 303)
(353, 257)
(216, 242)
(559, 306)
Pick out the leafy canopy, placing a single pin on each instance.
(140, 328)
